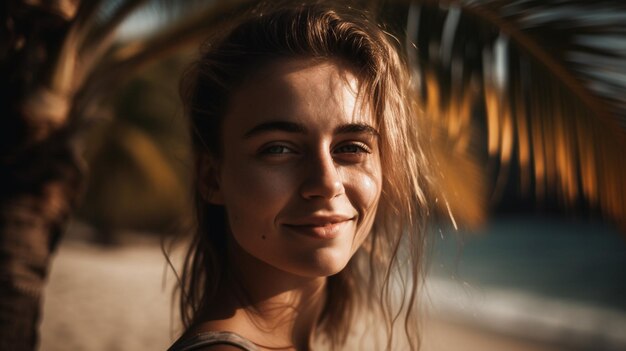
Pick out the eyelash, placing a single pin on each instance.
(266, 150)
(361, 147)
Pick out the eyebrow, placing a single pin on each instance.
(292, 127)
(356, 128)
(281, 126)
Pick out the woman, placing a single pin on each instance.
(310, 184)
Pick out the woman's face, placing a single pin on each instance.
(300, 172)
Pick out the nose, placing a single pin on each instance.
(322, 179)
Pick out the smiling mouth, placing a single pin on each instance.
(320, 228)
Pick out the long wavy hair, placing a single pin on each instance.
(383, 276)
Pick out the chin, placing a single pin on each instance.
(322, 264)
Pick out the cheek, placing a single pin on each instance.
(252, 195)
(364, 193)
(365, 186)
(370, 190)
(242, 182)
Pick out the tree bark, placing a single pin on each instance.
(40, 173)
(33, 212)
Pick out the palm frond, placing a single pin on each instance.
(132, 183)
(120, 60)
(101, 36)
(542, 83)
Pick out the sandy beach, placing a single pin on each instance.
(119, 298)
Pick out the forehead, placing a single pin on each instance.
(310, 92)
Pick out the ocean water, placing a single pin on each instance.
(578, 261)
(562, 281)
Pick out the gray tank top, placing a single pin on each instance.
(213, 338)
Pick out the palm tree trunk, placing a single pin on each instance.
(40, 175)
(33, 212)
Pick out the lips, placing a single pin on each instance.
(320, 227)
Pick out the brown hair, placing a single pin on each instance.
(321, 31)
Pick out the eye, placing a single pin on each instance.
(276, 150)
(352, 148)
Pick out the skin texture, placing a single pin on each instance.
(300, 178)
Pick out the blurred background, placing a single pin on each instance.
(524, 105)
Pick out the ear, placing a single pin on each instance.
(208, 179)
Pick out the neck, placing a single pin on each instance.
(272, 308)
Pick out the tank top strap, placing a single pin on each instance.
(213, 338)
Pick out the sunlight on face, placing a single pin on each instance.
(300, 174)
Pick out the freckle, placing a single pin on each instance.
(263, 237)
